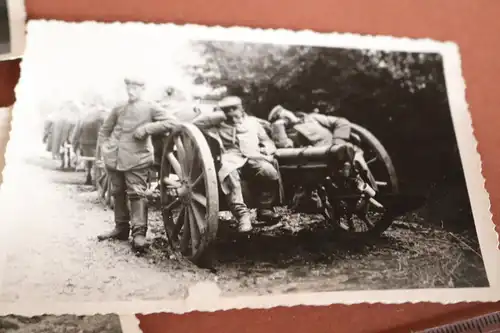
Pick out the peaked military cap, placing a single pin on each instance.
(275, 113)
(230, 101)
(134, 80)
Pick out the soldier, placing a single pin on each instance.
(166, 97)
(300, 129)
(127, 150)
(87, 131)
(47, 131)
(63, 125)
(247, 151)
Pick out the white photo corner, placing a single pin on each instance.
(12, 29)
(157, 167)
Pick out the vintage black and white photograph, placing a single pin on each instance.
(279, 167)
(68, 323)
(12, 29)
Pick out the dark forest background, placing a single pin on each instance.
(400, 97)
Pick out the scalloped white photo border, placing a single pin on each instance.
(206, 296)
(17, 25)
(129, 323)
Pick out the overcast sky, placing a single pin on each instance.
(69, 61)
(65, 62)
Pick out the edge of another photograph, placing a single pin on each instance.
(16, 34)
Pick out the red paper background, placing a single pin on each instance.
(473, 24)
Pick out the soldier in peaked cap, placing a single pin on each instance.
(305, 129)
(127, 149)
(299, 129)
(247, 152)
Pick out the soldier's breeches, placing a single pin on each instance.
(260, 169)
(131, 184)
(265, 177)
(261, 173)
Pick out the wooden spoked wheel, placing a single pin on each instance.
(102, 180)
(356, 217)
(189, 193)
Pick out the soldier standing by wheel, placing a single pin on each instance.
(127, 150)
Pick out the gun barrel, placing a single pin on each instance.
(309, 153)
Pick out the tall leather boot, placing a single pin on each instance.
(240, 212)
(139, 222)
(242, 215)
(265, 212)
(237, 205)
(122, 218)
(88, 171)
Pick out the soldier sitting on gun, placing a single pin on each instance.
(247, 152)
(298, 129)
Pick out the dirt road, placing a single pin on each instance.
(53, 252)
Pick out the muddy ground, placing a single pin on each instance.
(53, 253)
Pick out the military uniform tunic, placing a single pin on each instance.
(121, 150)
(312, 130)
(240, 143)
(87, 131)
